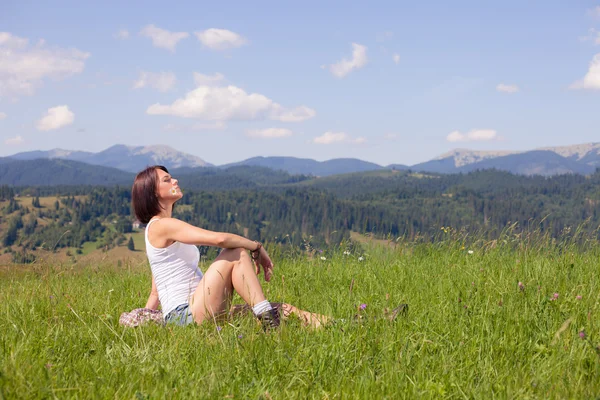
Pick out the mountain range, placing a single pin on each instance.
(126, 158)
(576, 159)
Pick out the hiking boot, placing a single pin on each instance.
(270, 319)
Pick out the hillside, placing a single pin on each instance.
(58, 172)
(318, 212)
(45, 172)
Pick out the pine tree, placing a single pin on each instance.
(130, 244)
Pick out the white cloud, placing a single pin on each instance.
(122, 34)
(208, 80)
(11, 41)
(507, 88)
(212, 126)
(594, 12)
(163, 38)
(220, 39)
(593, 35)
(269, 133)
(331, 137)
(337, 137)
(475, 135)
(229, 103)
(396, 58)
(390, 136)
(162, 81)
(56, 117)
(592, 79)
(297, 114)
(14, 141)
(2, 115)
(23, 68)
(344, 67)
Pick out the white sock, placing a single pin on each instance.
(261, 307)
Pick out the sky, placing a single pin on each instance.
(391, 82)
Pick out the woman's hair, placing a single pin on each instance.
(143, 194)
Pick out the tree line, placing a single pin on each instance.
(323, 212)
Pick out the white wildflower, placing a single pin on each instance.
(360, 258)
(323, 258)
(470, 251)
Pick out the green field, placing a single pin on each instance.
(472, 331)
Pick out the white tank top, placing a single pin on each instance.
(175, 271)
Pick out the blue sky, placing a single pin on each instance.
(387, 82)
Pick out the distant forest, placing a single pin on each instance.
(275, 207)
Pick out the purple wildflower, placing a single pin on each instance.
(554, 297)
(582, 334)
(240, 336)
(363, 306)
(579, 297)
(521, 286)
(219, 328)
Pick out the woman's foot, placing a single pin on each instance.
(269, 319)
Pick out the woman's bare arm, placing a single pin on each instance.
(153, 301)
(172, 229)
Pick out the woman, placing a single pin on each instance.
(187, 295)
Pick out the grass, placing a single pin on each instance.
(139, 240)
(471, 332)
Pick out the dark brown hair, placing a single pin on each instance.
(143, 194)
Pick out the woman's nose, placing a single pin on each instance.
(175, 181)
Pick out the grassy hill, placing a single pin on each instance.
(512, 318)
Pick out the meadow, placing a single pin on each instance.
(515, 317)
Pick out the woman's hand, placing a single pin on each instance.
(265, 261)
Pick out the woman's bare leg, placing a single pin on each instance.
(231, 270)
(308, 319)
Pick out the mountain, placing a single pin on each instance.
(452, 161)
(126, 158)
(579, 159)
(588, 153)
(306, 166)
(537, 162)
(55, 153)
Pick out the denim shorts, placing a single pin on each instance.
(180, 315)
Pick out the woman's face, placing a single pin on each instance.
(168, 188)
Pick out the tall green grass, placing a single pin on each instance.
(471, 332)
